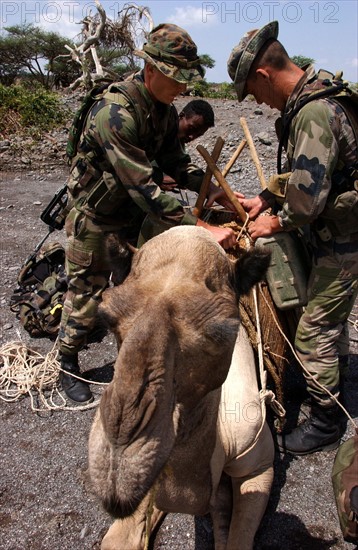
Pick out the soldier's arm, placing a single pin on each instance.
(116, 131)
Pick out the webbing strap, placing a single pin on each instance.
(327, 92)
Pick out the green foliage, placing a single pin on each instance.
(32, 51)
(29, 111)
(207, 61)
(200, 88)
(122, 69)
(301, 60)
(225, 90)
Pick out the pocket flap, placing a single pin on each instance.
(76, 254)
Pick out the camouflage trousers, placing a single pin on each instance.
(322, 339)
(89, 272)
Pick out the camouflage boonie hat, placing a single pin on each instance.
(243, 55)
(171, 50)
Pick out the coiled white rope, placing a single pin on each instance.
(24, 371)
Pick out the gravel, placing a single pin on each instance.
(46, 498)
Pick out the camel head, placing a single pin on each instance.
(176, 319)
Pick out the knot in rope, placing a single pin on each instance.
(269, 398)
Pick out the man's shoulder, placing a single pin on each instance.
(108, 116)
(123, 98)
(319, 107)
(322, 112)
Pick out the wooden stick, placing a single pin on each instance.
(234, 158)
(207, 178)
(253, 152)
(223, 183)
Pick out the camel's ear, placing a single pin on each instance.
(250, 269)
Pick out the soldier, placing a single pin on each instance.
(322, 155)
(131, 125)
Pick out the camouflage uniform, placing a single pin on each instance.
(322, 155)
(321, 141)
(113, 189)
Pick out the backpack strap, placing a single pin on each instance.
(328, 89)
(79, 121)
(124, 94)
(128, 95)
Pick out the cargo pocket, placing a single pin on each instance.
(77, 254)
(106, 196)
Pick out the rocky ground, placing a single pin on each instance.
(46, 500)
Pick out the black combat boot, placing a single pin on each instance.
(322, 431)
(75, 389)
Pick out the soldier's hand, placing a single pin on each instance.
(264, 226)
(223, 235)
(254, 206)
(218, 195)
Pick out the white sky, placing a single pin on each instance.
(323, 30)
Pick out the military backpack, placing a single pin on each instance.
(76, 128)
(131, 99)
(340, 215)
(38, 298)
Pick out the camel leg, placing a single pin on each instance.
(250, 498)
(251, 477)
(221, 512)
(130, 532)
(239, 506)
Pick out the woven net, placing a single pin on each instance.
(277, 327)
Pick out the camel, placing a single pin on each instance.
(181, 427)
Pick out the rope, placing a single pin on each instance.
(253, 328)
(24, 371)
(267, 395)
(308, 374)
(243, 230)
(263, 374)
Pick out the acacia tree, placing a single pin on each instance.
(103, 49)
(207, 61)
(32, 51)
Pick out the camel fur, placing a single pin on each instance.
(181, 427)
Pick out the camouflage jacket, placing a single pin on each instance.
(321, 141)
(111, 176)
